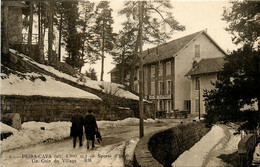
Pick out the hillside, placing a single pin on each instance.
(21, 75)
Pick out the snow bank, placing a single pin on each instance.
(87, 81)
(125, 122)
(129, 151)
(197, 154)
(31, 134)
(6, 129)
(14, 85)
(232, 144)
(110, 88)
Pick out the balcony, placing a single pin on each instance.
(35, 39)
(161, 97)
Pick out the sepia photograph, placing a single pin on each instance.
(130, 83)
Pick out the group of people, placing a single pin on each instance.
(88, 122)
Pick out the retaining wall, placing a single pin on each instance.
(47, 109)
(164, 147)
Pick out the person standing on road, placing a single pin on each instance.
(90, 128)
(77, 120)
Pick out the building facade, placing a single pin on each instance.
(202, 75)
(15, 22)
(166, 66)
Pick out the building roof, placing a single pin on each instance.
(115, 69)
(172, 48)
(206, 66)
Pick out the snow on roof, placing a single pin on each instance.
(6, 129)
(14, 85)
(117, 90)
(88, 82)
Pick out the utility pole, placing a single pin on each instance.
(199, 97)
(156, 84)
(141, 83)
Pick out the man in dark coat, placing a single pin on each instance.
(77, 120)
(90, 128)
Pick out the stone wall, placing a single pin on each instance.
(164, 147)
(47, 109)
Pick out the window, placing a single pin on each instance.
(169, 105)
(196, 105)
(136, 87)
(187, 105)
(152, 88)
(145, 88)
(145, 73)
(161, 105)
(169, 87)
(137, 73)
(168, 68)
(197, 50)
(160, 69)
(153, 71)
(160, 87)
(197, 83)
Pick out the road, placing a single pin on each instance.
(109, 153)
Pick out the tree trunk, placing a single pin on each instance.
(5, 41)
(141, 105)
(103, 46)
(50, 32)
(133, 64)
(123, 68)
(29, 42)
(40, 42)
(60, 28)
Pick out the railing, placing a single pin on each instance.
(35, 39)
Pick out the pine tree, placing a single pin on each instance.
(59, 22)
(244, 21)
(238, 82)
(124, 48)
(71, 36)
(51, 57)
(104, 36)
(88, 52)
(158, 24)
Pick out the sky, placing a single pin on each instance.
(195, 15)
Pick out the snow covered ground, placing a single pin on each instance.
(6, 129)
(106, 87)
(31, 132)
(196, 155)
(119, 141)
(15, 85)
(88, 82)
(220, 140)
